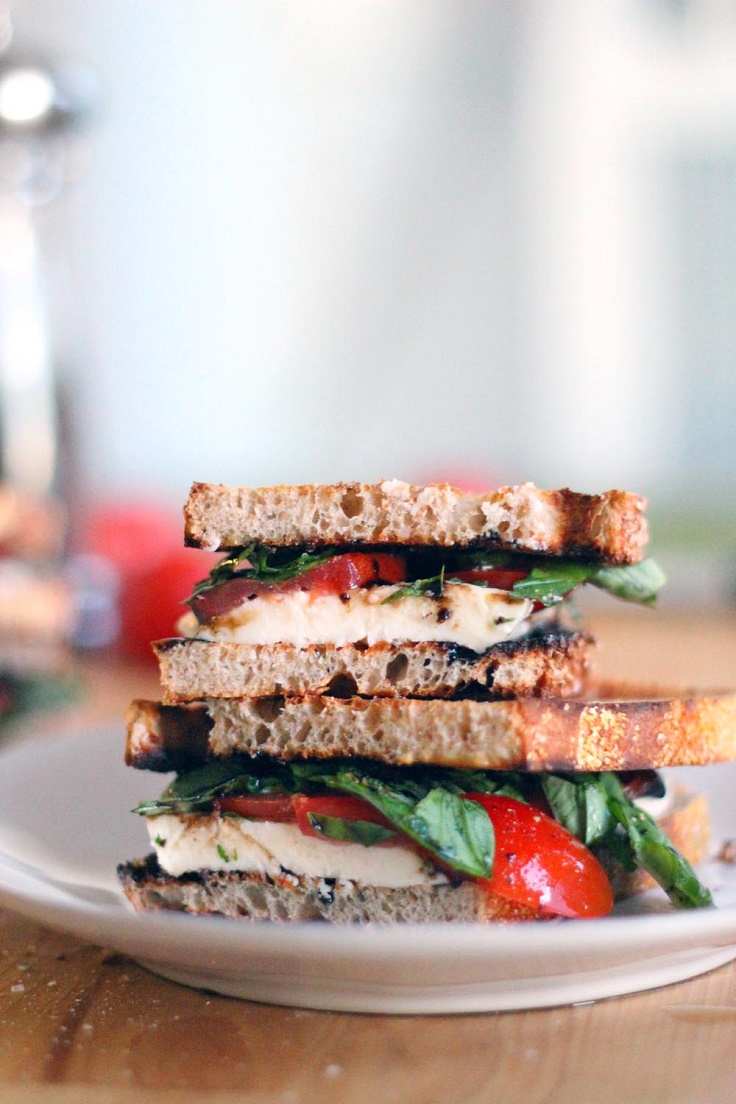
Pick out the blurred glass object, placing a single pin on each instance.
(131, 575)
(96, 586)
(26, 94)
(42, 105)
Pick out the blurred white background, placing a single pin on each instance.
(409, 238)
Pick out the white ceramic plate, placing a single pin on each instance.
(64, 825)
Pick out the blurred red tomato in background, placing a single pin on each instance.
(466, 477)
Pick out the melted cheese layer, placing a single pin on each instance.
(474, 617)
(184, 844)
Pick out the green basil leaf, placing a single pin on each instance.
(563, 797)
(550, 583)
(155, 807)
(350, 831)
(653, 852)
(196, 790)
(598, 819)
(516, 784)
(263, 564)
(634, 582)
(466, 561)
(580, 804)
(457, 831)
(420, 588)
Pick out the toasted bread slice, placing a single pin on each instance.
(295, 898)
(554, 663)
(534, 734)
(608, 527)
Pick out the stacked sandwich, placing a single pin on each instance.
(378, 711)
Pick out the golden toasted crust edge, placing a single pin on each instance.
(523, 734)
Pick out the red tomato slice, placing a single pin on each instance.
(286, 808)
(339, 806)
(351, 570)
(259, 807)
(497, 577)
(335, 576)
(539, 863)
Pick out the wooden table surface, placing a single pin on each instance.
(81, 1023)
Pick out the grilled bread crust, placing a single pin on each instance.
(292, 898)
(552, 664)
(609, 527)
(534, 734)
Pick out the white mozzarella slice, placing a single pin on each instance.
(184, 844)
(474, 617)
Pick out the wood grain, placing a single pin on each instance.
(80, 1023)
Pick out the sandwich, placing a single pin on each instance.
(395, 590)
(377, 711)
